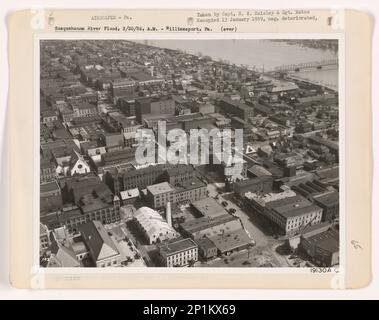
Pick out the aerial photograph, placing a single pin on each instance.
(189, 153)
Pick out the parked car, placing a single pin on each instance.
(224, 203)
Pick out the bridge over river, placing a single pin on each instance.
(307, 65)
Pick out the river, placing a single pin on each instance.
(259, 54)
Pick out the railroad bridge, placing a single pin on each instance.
(307, 65)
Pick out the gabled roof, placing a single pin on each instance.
(98, 241)
(151, 221)
(63, 256)
(76, 156)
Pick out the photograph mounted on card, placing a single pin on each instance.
(190, 149)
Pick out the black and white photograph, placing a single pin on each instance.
(189, 153)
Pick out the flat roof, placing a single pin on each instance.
(231, 240)
(206, 222)
(328, 173)
(129, 194)
(177, 245)
(159, 188)
(209, 207)
(328, 199)
(253, 181)
(328, 240)
(292, 206)
(205, 243)
(85, 105)
(237, 103)
(194, 183)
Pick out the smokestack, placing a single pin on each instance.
(168, 214)
(152, 71)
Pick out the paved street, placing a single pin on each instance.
(264, 251)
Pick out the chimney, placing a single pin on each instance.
(152, 71)
(168, 214)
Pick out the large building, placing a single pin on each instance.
(84, 109)
(289, 211)
(210, 226)
(122, 87)
(142, 177)
(86, 198)
(159, 194)
(47, 170)
(236, 108)
(330, 204)
(120, 123)
(50, 197)
(230, 242)
(190, 190)
(102, 249)
(147, 107)
(178, 252)
(217, 235)
(179, 174)
(322, 247)
(153, 226)
(262, 184)
(208, 207)
(187, 191)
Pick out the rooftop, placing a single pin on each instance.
(160, 188)
(194, 183)
(236, 103)
(205, 243)
(231, 240)
(176, 245)
(328, 240)
(152, 222)
(292, 206)
(209, 207)
(98, 241)
(202, 223)
(85, 105)
(327, 143)
(121, 119)
(179, 169)
(48, 187)
(328, 199)
(129, 194)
